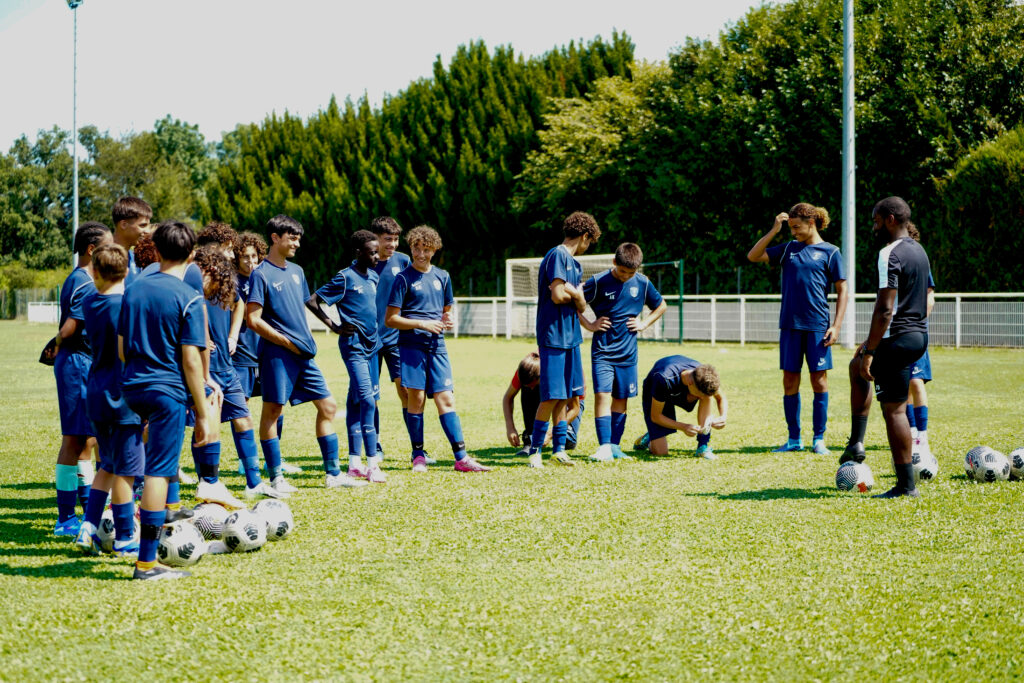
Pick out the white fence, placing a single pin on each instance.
(957, 319)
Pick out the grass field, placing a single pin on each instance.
(751, 567)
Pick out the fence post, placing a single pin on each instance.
(957, 322)
(743, 320)
(494, 318)
(681, 284)
(714, 319)
(508, 300)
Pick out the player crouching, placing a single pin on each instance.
(683, 382)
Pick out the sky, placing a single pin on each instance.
(217, 63)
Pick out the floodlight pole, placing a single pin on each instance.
(849, 334)
(73, 4)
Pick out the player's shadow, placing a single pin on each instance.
(76, 568)
(498, 457)
(772, 494)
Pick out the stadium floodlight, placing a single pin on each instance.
(73, 5)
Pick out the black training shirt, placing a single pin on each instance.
(903, 266)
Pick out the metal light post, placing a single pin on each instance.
(73, 4)
(849, 334)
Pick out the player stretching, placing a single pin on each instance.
(288, 374)
(559, 298)
(419, 307)
(353, 291)
(810, 266)
(161, 334)
(526, 379)
(897, 339)
(678, 381)
(617, 297)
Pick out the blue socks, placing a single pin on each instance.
(173, 491)
(272, 455)
(329, 452)
(280, 426)
(603, 425)
(618, 426)
(245, 446)
(452, 427)
(94, 508)
(151, 522)
(921, 418)
(910, 416)
(820, 415)
(558, 437)
(703, 439)
(124, 520)
(415, 424)
(353, 428)
(207, 459)
(791, 406)
(540, 433)
(67, 491)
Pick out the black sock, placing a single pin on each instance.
(858, 428)
(905, 477)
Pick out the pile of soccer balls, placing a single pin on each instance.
(215, 530)
(985, 464)
(856, 476)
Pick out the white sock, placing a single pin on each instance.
(86, 472)
(355, 462)
(374, 461)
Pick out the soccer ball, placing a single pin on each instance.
(854, 476)
(277, 516)
(972, 458)
(105, 531)
(244, 532)
(926, 466)
(1016, 458)
(209, 519)
(180, 545)
(992, 466)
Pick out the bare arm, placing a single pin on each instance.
(192, 366)
(393, 318)
(507, 402)
(67, 330)
(599, 325)
(723, 411)
(637, 325)
(842, 298)
(254, 319)
(120, 348)
(880, 319)
(659, 418)
(237, 318)
(757, 253)
(564, 293)
(931, 302)
(313, 304)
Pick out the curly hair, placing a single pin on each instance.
(425, 235)
(705, 378)
(221, 284)
(145, 252)
(811, 212)
(244, 240)
(579, 223)
(217, 233)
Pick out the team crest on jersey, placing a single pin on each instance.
(633, 291)
(295, 278)
(816, 256)
(394, 270)
(437, 285)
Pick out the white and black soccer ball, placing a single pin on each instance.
(209, 519)
(277, 516)
(855, 476)
(181, 545)
(105, 532)
(926, 466)
(1016, 458)
(992, 466)
(244, 531)
(972, 458)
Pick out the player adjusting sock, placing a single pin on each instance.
(703, 439)
(820, 414)
(791, 406)
(921, 418)
(603, 425)
(452, 427)
(174, 493)
(124, 520)
(67, 491)
(149, 535)
(858, 428)
(415, 424)
(911, 418)
(94, 507)
(558, 436)
(540, 433)
(272, 455)
(86, 475)
(245, 446)
(618, 426)
(329, 452)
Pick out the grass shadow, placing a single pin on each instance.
(75, 568)
(772, 494)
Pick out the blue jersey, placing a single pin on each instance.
(665, 380)
(388, 271)
(106, 404)
(159, 315)
(219, 320)
(282, 292)
(808, 271)
(72, 293)
(618, 301)
(557, 324)
(355, 297)
(247, 350)
(193, 276)
(421, 296)
(133, 268)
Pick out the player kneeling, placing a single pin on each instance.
(683, 382)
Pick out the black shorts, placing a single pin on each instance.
(894, 363)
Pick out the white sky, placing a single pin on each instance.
(217, 63)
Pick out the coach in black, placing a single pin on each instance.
(898, 337)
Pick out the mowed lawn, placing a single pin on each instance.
(751, 567)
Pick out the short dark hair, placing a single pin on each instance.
(893, 206)
(145, 252)
(360, 238)
(385, 225)
(217, 233)
(88, 235)
(128, 208)
(629, 255)
(528, 371)
(580, 223)
(705, 378)
(110, 262)
(283, 225)
(174, 240)
(244, 240)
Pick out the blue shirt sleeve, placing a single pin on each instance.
(561, 266)
(653, 297)
(398, 290)
(334, 291)
(194, 278)
(835, 266)
(776, 253)
(931, 281)
(305, 286)
(75, 310)
(257, 288)
(590, 288)
(192, 332)
(449, 298)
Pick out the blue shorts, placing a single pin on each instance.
(561, 373)
(426, 369)
(234, 406)
(391, 356)
(922, 369)
(617, 380)
(166, 416)
(288, 378)
(656, 431)
(795, 345)
(121, 449)
(71, 370)
(249, 379)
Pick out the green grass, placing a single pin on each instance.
(750, 567)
